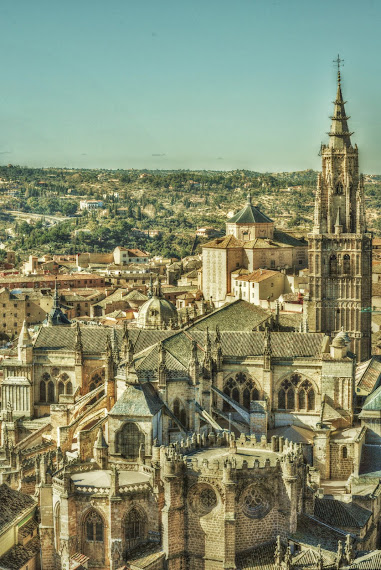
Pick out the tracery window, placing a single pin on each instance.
(339, 188)
(242, 389)
(135, 527)
(64, 385)
(254, 503)
(296, 394)
(46, 389)
(129, 440)
(94, 527)
(96, 381)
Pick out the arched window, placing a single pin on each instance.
(50, 392)
(69, 388)
(282, 399)
(311, 399)
(129, 440)
(94, 527)
(290, 399)
(345, 452)
(339, 188)
(333, 264)
(61, 388)
(241, 389)
(235, 395)
(42, 391)
(135, 528)
(286, 394)
(246, 398)
(302, 400)
(346, 263)
(96, 381)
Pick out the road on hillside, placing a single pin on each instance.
(30, 215)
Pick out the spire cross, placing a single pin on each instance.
(338, 62)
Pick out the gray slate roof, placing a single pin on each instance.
(373, 401)
(94, 338)
(178, 348)
(250, 215)
(137, 400)
(341, 515)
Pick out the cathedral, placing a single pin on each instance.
(231, 441)
(340, 249)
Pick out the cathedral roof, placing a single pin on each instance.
(373, 401)
(93, 338)
(250, 215)
(178, 348)
(368, 374)
(137, 400)
(340, 514)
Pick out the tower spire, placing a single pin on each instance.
(340, 136)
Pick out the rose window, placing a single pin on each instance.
(254, 504)
(208, 499)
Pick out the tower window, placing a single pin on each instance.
(333, 265)
(346, 263)
(339, 188)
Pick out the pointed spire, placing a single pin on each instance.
(56, 299)
(114, 344)
(340, 134)
(338, 225)
(78, 338)
(150, 288)
(25, 338)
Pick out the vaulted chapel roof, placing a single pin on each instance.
(250, 215)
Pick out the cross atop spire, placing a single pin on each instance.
(338, 62)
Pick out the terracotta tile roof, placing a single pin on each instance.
(224, 243)
(258, 275)
(13, 503)
(368, 374)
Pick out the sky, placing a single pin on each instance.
(198, 84)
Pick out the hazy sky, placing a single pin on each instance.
(216, 84)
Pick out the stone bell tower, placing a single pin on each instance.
(340, 249)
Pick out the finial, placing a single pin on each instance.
(338, 61)
(248, 198)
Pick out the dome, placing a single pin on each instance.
(341, 339)
(157, 312)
